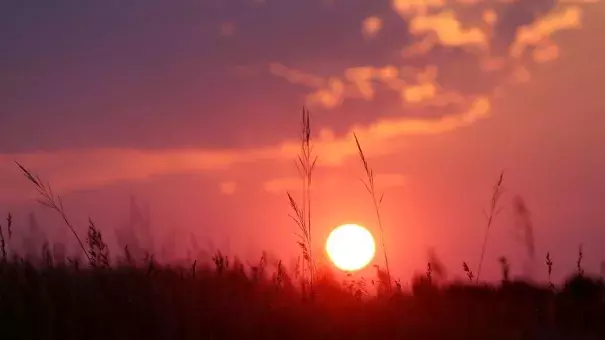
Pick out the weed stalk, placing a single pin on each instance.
(49, 200)
(493, 212)
(302, 213)
(370, 187)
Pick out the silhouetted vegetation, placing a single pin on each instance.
(49, 299)
(376, 202)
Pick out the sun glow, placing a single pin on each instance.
(350, 247)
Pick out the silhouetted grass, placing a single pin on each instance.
(494, 210)
(226, 300)
(48, 199)
(371, 188)
(305, 165)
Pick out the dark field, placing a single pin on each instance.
(57, 299)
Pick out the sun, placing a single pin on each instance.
(350, 247)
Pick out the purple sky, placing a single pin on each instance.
(193, 107)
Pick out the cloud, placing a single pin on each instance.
(228, 29)
(542, 29)
(295, 76)
(453, 59)
(281, 185)
(413, 85)
(92, 168)
(545, 51)
(228, 188)
(490, 17)
(377, 137)
(387, 180)
(371, 26)
(448, 30)
(520, 75)
(407, 8)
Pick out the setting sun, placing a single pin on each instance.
(350, 247)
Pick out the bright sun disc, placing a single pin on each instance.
(351, 247)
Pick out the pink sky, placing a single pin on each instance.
(195, 108)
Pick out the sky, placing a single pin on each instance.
(194, 107)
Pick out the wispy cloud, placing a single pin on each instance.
(540, 32)
(448, 30)
(80, 169)
(228, 188)
(371, 26)
(228, 29)
(281, 185)
(451, 47)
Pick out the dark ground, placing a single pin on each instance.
(66, 300)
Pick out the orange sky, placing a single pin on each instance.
(195, 108)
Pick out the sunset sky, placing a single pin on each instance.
(194, 107)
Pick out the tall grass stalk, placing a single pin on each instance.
(305, 164)
(53, 202)
(579, 261)
(468, 271)
(549, 265)
(372, 191)
(98, 249)
(494, 211)
(3, 240)
(3, 245)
